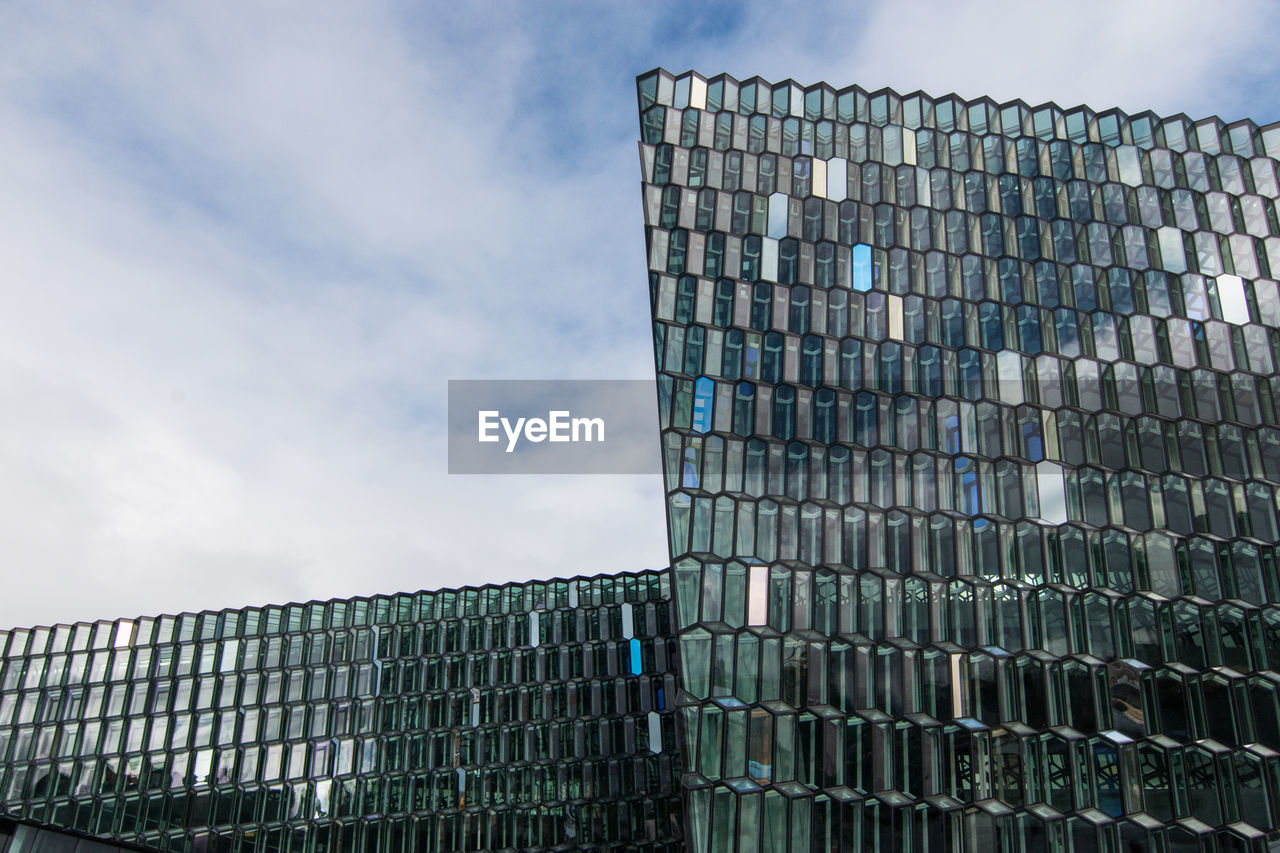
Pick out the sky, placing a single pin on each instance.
(243, 247)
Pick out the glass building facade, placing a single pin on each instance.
(971, 446)
(531, 716)
(27, 837)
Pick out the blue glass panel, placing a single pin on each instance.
(1032, 444)
(951, 434)
(703, 393)
(689, 480)
(1029, 329)
(862, 267)
(636, 666)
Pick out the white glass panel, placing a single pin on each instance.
(769, 259)
(698, 94)
(958, 681)
(758, 596)
(1235, 308)
(778, 215)
(819, 178)
(124, 634)
(895, 317)
(1009, 364)
(1052, 492)
(837, 179)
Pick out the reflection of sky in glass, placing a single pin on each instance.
(862, 267)
(703, 397)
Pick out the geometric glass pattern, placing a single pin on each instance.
(971, 441)
(29, 837)
(519, 717)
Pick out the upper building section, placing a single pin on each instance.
(826, 264)
(950, 113)
(1005, 181)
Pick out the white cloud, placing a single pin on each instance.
(1150, 54)
(248, 254)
